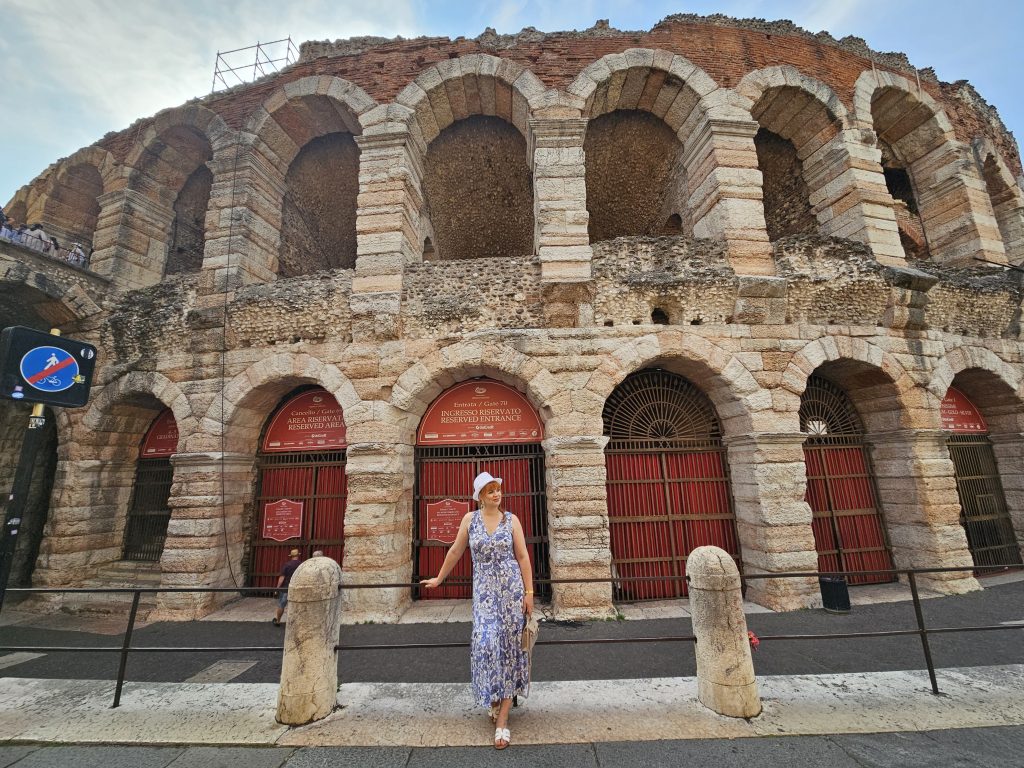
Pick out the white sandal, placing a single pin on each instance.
(502, 734)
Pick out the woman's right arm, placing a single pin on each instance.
(454, 553)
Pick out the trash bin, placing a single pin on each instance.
(835, 594)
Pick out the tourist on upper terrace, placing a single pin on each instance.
(502, 601)
(37, 239)
(77, 256)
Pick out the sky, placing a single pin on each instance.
(73, 70)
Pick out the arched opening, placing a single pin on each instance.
(787, 206)
(636, 180)
(188, 231)
(1007, 205)
(905, 206)
(667, 482)
(13, 421)
(174, 166)
(476, 426)
(302, 489)
(318, 218)
(478, 190)
(984, 513)
(149, 513)
(849, 533)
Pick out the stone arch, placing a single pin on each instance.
(1006, 197)
(477, 84)
(994, 385)
(922, 156)
(72, 202)
(169, 176)
(421, 383)
(130, 389)
(884, 393)
(251, 395)
(304, 127)
(714, 127)
(800, 119)
(468, 119)
(740, 402)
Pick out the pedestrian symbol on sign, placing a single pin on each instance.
(49, 369)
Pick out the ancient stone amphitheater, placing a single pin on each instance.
(720, 282)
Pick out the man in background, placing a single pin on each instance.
(283, 579)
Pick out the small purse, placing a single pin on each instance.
(530, 630)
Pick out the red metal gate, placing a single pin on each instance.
(983, 511)
(478, 426)
(667, 482)
(302, 463)
(149, 513)
(849, 534)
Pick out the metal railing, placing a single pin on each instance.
(921, 630)
(77, 257)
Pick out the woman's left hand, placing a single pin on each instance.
(528, 605)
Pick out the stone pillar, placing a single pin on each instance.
(725, 670)
(1009, 452)
(205, 531)
(955, 208)
(849, 196)
(920, 506)
(378, 530)
(243, 220)
(85, 526)
(560, 219)
(387, 229)
(309, 665)
(726, 195)
(769, 480)
(579, 543)
(131, 238)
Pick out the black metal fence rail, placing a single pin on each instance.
(126, 648)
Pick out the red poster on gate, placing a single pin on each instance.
(478, 412)
(310, 421)
(960, 415)
(162, 439)
(443, 518)
(282, 520)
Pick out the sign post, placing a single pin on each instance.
(43, 369)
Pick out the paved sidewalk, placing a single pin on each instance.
(979, 747)
(568, 712)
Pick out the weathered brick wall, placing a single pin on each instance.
(725, 48)
(479, 191)
(309, 308)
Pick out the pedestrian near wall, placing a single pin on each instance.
(502, 601)
(283, 580)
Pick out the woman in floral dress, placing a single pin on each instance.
(502, 599)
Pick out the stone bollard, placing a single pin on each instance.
(725, 670)
(309, 668)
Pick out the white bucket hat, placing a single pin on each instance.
(481, 480)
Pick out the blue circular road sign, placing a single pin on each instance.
(49, 369)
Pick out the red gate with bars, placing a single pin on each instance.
(149, 513)
(667, 482)
(302, 463)
(849, 533)
(480, 425)
(983, 511)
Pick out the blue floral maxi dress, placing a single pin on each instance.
(498, 664)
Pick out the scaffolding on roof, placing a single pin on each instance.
(260, 59)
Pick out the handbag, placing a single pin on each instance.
(530, 629)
